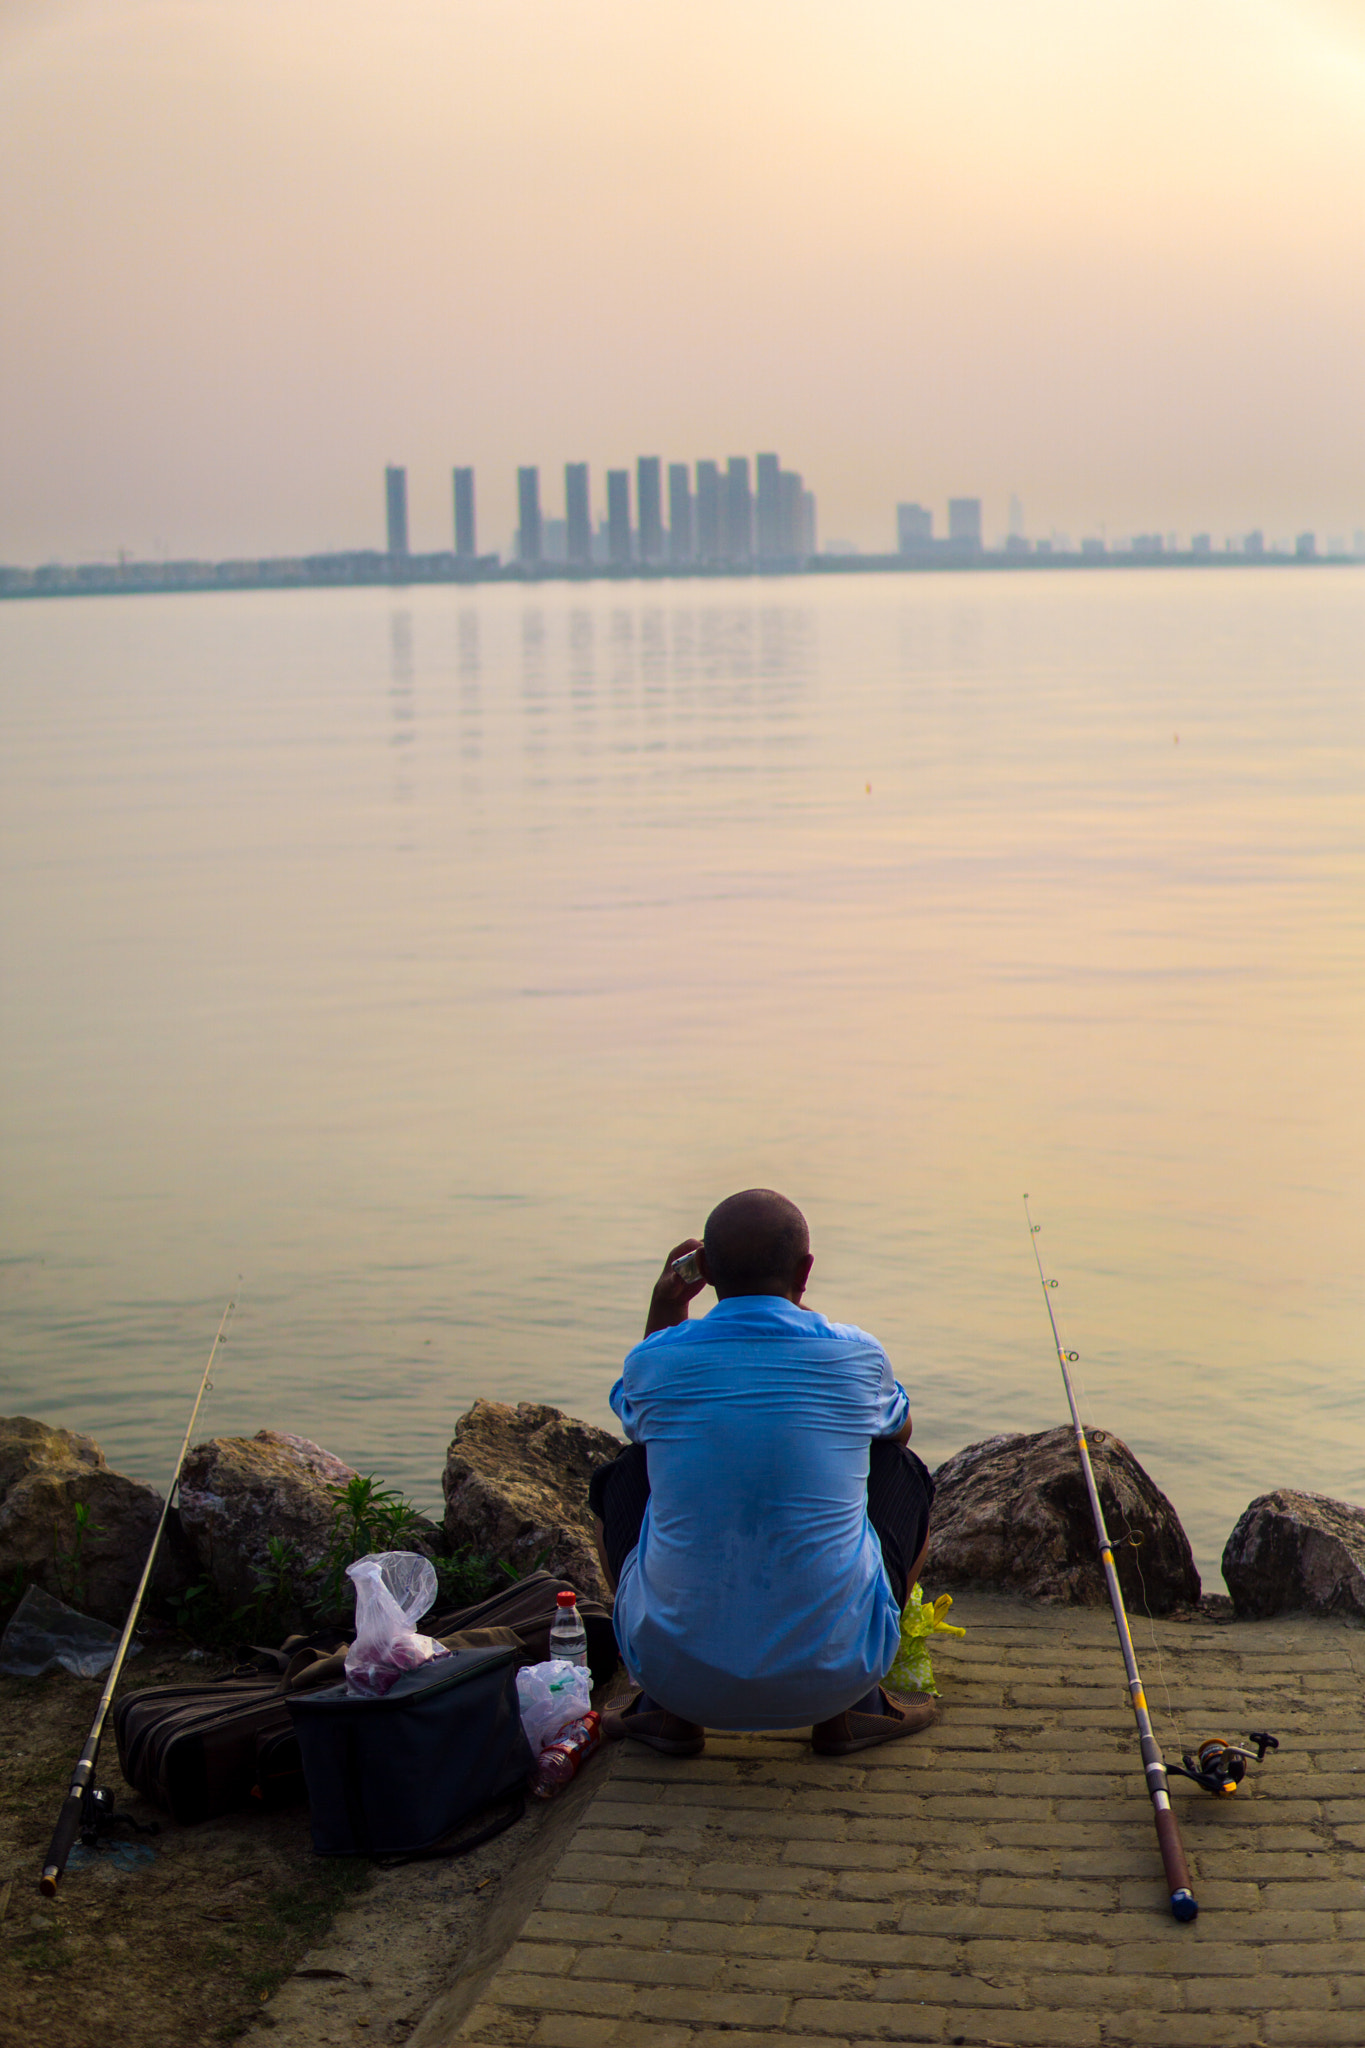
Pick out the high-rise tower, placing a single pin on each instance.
(578, 543)
(466, 545)
(396, 508)
(768, 509)
(528, 515)
(964, 525)
(679, 514)
(618, 517)
(709, 536)
(649, 508)
(738, 537)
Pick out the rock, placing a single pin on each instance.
(516, 1485)
(44, 1475)
(1012, 1512)
(236, 1493)
(1299, 1552)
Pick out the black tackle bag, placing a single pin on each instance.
(396, 1776)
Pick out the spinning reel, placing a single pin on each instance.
(1220, 1766)
(98, 1818)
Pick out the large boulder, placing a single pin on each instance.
(1012, 1512)
(236, 1493)
(516, 1485)
(1297, 1552)
(45, 1475)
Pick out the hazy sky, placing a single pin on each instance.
(1109, 254)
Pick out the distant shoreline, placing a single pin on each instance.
(371, 569)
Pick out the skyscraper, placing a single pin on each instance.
(528, 515)
(618, 517)
(649, 508)
(789, 520)
(709, 537)
(964, 525)
(679, 514)
(396, 507)
(768, 509)
(576, 513)
(914, 529)
(466, 546)
(737, 542)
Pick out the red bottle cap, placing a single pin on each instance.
(567, 1599)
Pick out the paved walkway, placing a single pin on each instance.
(993, 1881)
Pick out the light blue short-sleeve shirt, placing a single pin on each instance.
(757, 1597)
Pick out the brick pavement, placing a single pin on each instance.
(993, 1881)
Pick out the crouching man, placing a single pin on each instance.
(767, 1520)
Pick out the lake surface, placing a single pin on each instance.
(434, 959)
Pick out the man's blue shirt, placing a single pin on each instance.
(757, 1597)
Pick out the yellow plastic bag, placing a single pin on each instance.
(912, 1670)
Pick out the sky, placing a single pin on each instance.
(1104, 254)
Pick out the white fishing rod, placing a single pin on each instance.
(75, 1813)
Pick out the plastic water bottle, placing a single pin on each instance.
(568, 1637)
(561, 1760)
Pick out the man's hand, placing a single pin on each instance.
(668, 1305)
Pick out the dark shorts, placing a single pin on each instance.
(900, 1493)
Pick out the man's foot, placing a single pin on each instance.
(668, 1733)
(902, 1714)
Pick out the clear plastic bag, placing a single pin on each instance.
(551, 1695)
(44, 1633)
(393, 1589)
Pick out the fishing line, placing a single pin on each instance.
(84, 1809)
(1132, 1538)
(1183, 1903)
(1217, 1765)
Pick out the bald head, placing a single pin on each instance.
(757, 1243)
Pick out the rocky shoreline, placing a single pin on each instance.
(267, 1520)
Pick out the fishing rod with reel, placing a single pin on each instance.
(88, 1811)
(1217, 1765)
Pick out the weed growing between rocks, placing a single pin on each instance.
(290, 1594)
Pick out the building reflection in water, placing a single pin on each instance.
(402, 702)
(469, 671)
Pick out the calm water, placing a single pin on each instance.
(435, 959)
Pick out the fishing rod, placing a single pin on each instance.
(84, 1809)
(1184, 1905)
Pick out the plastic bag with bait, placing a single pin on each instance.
(912, 1670)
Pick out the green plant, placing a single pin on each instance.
(465, 1577)
(200, 1614)
(368, 1517)
(71, 1565)
(505, 1565)
(277, 1595)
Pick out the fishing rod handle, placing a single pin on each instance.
(1183, 1902)
(62, 1843)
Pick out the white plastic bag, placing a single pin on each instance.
(44, 1633)
(393, 1589)
(551, 1695)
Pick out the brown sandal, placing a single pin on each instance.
(906, 1714)
(668, 1733)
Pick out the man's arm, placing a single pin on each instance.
(668, 1305)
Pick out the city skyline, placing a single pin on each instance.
(1103, 257)
(720, 525)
